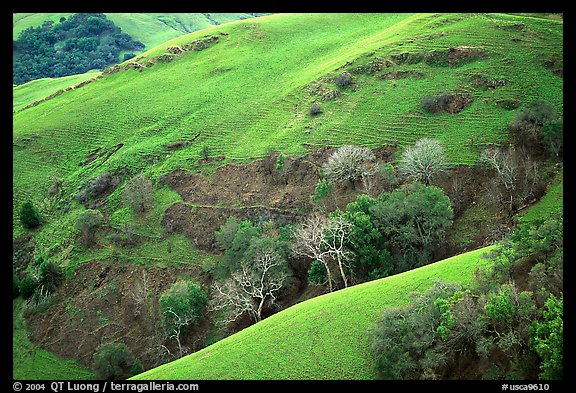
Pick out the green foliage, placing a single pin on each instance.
(15, 285)
(527, 126)
(29, 216)
(112, 361)
(552, 133)
(388, 175)
(182, 306)
(73, 46)
(366, 241)
(241, 240)
(412, 220)
(225, 234)
(403, 340)
(317, 273)
(547, 339)
(280, 162)
(51, 276)
(323, 188)
(27, 286)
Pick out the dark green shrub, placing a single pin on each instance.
(112, 361)
(51, 276)
(430, 103)
(317, 273)
(552, 133)
(526, 126)
(15, 285)
(27, 286)
(403, 341)
(97, 187)
(29, 216)
(182, 306)
(314, 109)
(547, 339)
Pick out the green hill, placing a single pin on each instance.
(321, 338)
(149, 28)
(234, 92)
(251, 90)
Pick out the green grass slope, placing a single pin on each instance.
(251, 91)
(321, 338)
(149, 28)
(35, 90)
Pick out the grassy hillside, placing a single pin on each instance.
(321, 338)
(35, 90)
(149, 28)
(251, 91)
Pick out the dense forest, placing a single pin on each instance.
(76, 45)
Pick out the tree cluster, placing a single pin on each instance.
(374, 237)
(517, 329)
(254, 270)
(83, 42)
(536, 126)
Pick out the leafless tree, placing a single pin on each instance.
(517, 176)
(333, 240)
(323, 239)
(256, 283)
(350, 163)
(423, 160)
(308, 242)
(179, 322)
(140, 294)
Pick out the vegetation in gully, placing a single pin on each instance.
(291, 196)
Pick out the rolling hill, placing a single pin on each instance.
(243, 98)
(149, 28)
(321, 338)
(230, 94)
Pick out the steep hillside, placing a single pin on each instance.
(242, 98)
(321, 338)
(207, 116)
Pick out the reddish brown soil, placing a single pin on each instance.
(96, 305)
(256, 190)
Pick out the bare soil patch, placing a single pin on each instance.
(97, 305)
(258, 191)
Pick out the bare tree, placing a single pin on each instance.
(140, 294)
(179, 322)
(333, 240)
(323, 240)
(423, 160)
(517, 176)
(261, 275)
(308, 242)
(350, 163)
